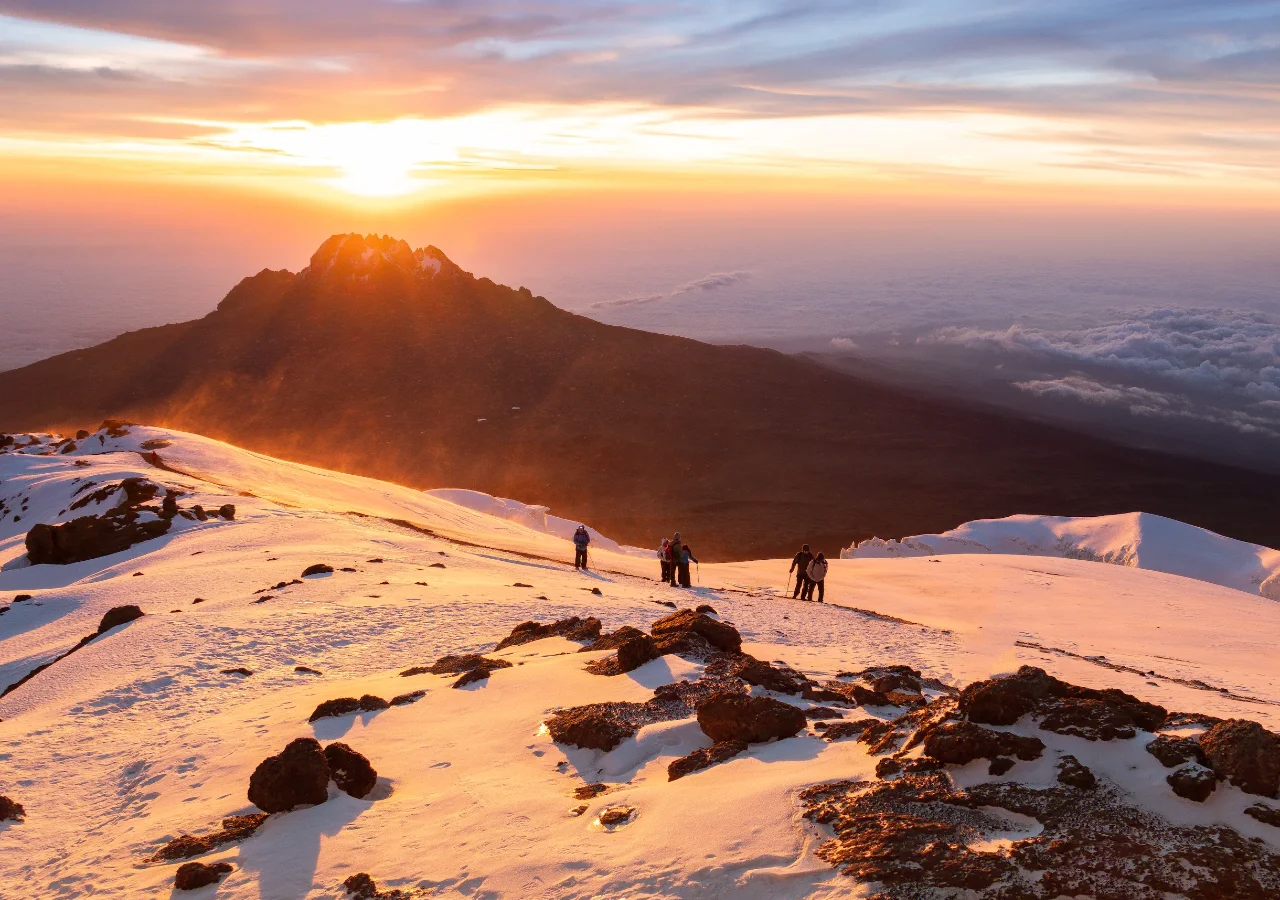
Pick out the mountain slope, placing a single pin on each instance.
(154, 728)
(394, 363)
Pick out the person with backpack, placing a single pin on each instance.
(816, 577)
(800, 565)
(686, 556)
(664, 557)
(581, 538)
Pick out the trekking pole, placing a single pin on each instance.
(698, 570)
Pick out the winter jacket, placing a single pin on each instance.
(664, 552)
(581, 538)
(802, 560)
(686, 556)
(817, 570)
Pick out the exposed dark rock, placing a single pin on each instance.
(1244, 753)
(736, 717)
(1076, 774)
(1174, 751)
(822, 712)
(361, 887)
(1193, 781)
(718, 634)
(21, 598)
(615, 815)
(350, 771)
(234, 828)
(959, 743)
(912, 838)
(597, 592)
(589, 791)
(841, 730)
(194, 875)
(471, 676)
(90, 537)
(614, 639)
(687, 644)
(1066, 708)
(521, 584)
(706, 608)
(782, 679)
(340, 707)
(169, 505)
(636, 652)
(317, 569)
(575, 629)
(1267, 815)
(118, 615)
(1000, 765)
(241, 670)
(11, 810)
(437, 566)
(858, 694)
(227, 511)
(594, 727)
(298, 775)
(455, 665)
(704, 758)
(306, 670)
(405, 699)
(887, 766)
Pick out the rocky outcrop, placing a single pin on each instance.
(1174, 751)
(1193, 781)
(350, 770)
(317, 569)
(1245, 754)
(636, 652)
(718, 634)
(1267, 815)
(471, 666)
(1076, 774)
(599, 726)
(194, 875)
(704, 758)
(234, 828)
(90, 537)
(362, 887)
(11, 810)
(574, 628)
(1063, 708)
(737, 717)
(297, 776)
(118, 615)
(346, 705)
(771, 677)
(959, 743)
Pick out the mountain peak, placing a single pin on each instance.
(359, 256)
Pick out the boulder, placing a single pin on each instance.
(999, 766)
(1267, 815)
(118, 615)
(1244, 753)
(888, 766)
(1174, 751)
(636, 652)
(573, 628)
(959, 743)
(350, 770)
(90, 537)
(718, 634)
(589, 727)
(11, 810)
(234, 828)
(616, 815)
(317, 569)
(1193, 781)
(297, 776)
(1076, 774)
(405, 699)
(757, 672)
(339, 707)
(737, 717)
(227, 511)
(371, 703)
(1067, 708)
(194, 875)
(704, 758)
(706, 608)
(614, 639)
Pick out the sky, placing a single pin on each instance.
(797, 174)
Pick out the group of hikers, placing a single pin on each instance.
(675, 556)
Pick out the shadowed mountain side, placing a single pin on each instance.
(394, 363)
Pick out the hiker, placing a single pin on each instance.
(580, 541)
(674, 562)
(686, 557)
(816, 576)
(800, 565)
(664, 557)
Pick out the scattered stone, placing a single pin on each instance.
(1245, 754)
(782, 679)
(361, 887)
(350, 770)
(11, 810)
(297, 776)
(118, 615)
(1000, 765)
(405, 699)
(376, 559)
(589, 791)
(521, 584)
(1174, 751)
(1076, 774)
(227, 511)
(317, 569)
(21, 598)
(888, 766)
(615, 815)
(600, 593)
(736, 717)
(574, 628)
(636, 652)
(718, 634)
(238, 671)
(234, 828)
(346, 705)
(841, 730)
(959, 743)
(706, 608)
(347, 569)
(437, 565)
(578, 810)
(194, 875)
(704, 758)
(1267, 815)
(822, 712)
(198, 600)
(1193, 781)
(306, 670)
(613, 640)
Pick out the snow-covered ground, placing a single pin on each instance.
(1140, 540)
(141, 736)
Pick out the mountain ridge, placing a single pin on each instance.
(370, 362)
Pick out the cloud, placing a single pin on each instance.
(712, 282)
(843, 343)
